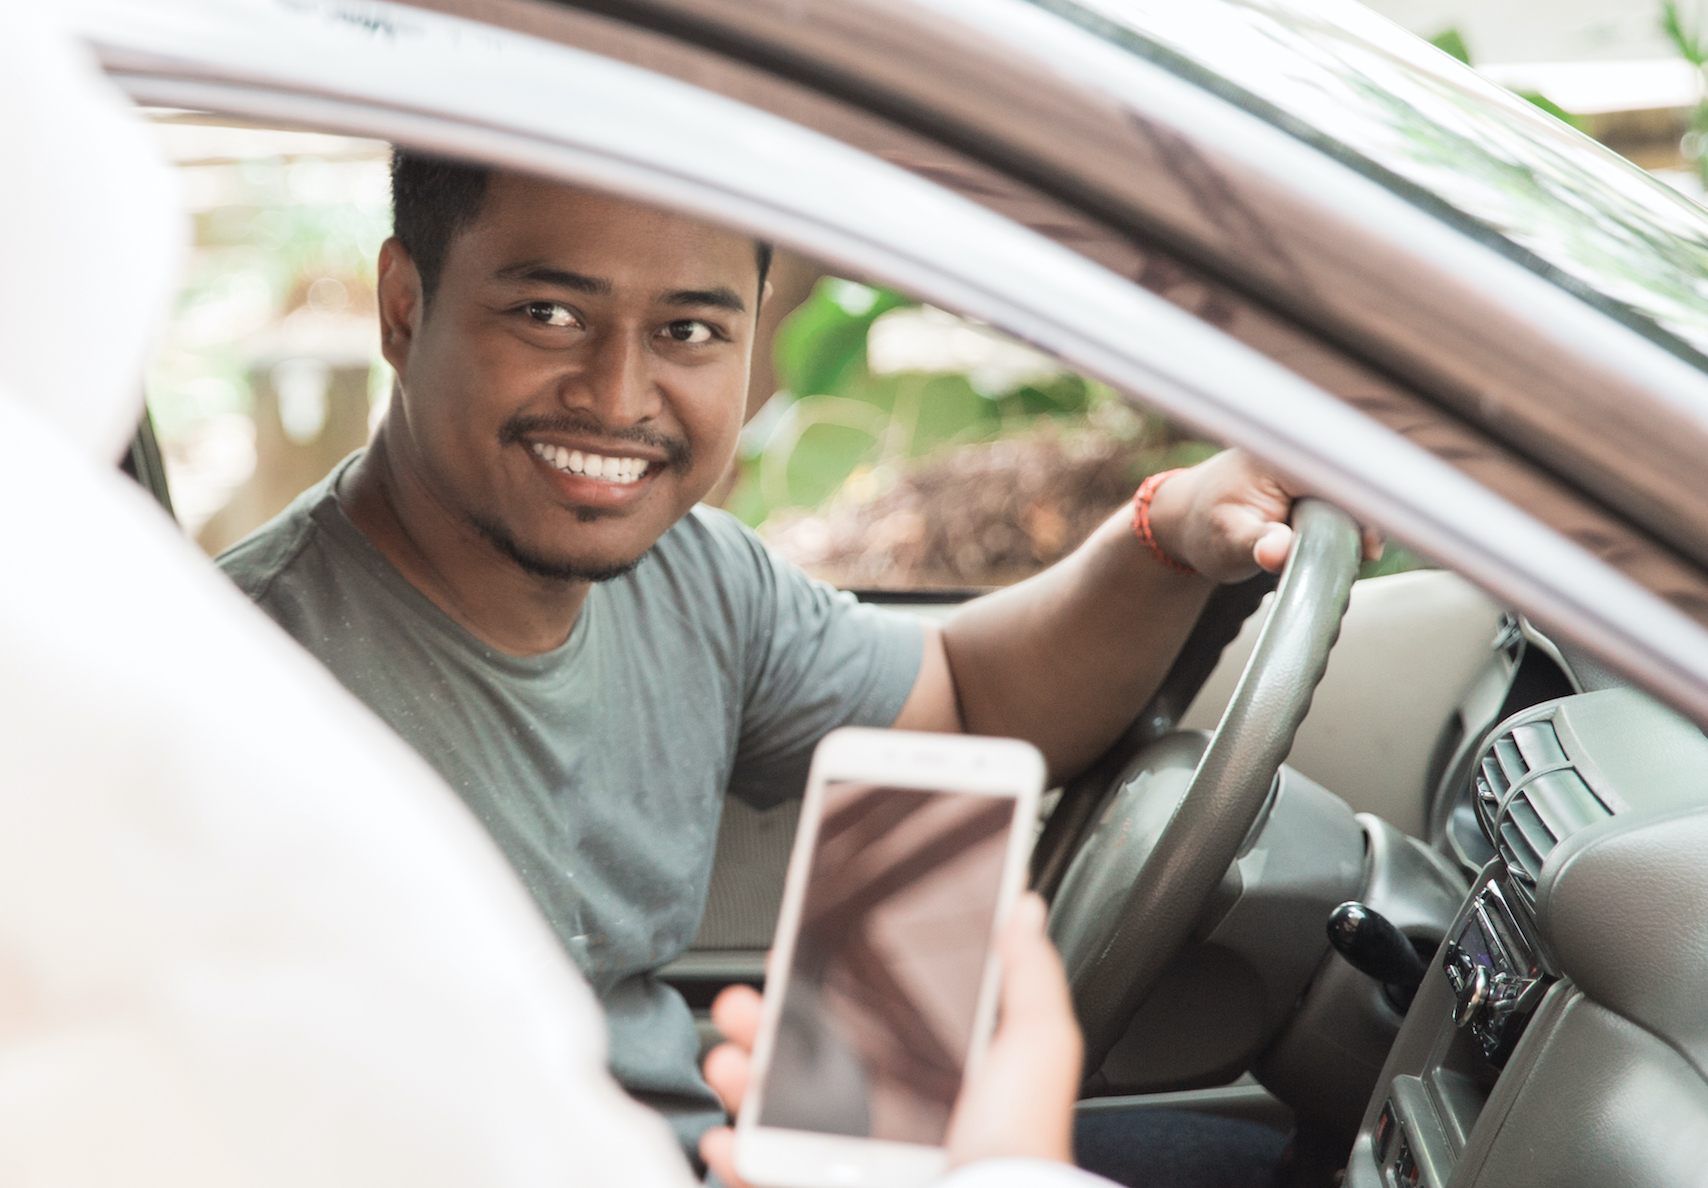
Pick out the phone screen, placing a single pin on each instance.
(879, 1007)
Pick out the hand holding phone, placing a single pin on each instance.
(883, 986)
(1017, 1105)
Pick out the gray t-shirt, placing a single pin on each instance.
(600, 767)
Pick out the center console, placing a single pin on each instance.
(1557, 1052)
(1496, 976)
(1487, 983)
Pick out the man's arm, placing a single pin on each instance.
(1066, 659)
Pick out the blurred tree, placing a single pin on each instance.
(1690, 44)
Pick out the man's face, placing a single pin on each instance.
(578, 382)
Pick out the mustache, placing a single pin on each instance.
(675, 449)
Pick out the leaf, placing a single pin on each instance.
(1451, 41)
(815, 448)
(820, 349)
(1688, 42)
(951, 409)
(823, 458)
(1058, 395)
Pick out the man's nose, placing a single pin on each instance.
(615, 381)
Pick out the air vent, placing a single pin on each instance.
(1529, 799)
(1514, 756)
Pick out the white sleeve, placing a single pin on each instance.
(1021, 1173)
(247, 938)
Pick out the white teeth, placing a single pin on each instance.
(610, 470)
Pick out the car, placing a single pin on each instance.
(1295, 228)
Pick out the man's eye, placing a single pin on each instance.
(689, 331)
(551, 313)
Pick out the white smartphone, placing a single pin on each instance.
(883, 981)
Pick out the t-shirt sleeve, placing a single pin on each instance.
(814, 659)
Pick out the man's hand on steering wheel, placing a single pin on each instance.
(1228, 516)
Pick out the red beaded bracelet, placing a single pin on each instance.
(1142, 519)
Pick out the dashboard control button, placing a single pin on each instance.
(1496, 981)
(1474, 995)
(1382, 1139)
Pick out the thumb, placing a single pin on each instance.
(1018, 1102)
(1270, 550)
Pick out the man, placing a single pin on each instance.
(516, 576)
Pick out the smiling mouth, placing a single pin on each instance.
(607, 469)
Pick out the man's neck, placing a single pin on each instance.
(449, 561)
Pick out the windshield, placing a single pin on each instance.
(1348, 81)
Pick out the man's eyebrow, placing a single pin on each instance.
(560, 277)
(718, 298)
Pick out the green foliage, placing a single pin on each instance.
(833, 418)
(1394, 559)
(1693, 48)
(1452, 41)
(821, 347)
(1688, 42)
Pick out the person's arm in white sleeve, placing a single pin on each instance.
(247, 936)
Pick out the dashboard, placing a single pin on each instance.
(1560, 1036)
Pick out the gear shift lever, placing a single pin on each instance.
(1373, 946)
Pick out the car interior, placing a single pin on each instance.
(1392, 795)
(1381, 865)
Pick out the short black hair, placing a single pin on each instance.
(432, 199)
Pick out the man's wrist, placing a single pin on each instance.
(1152, 526)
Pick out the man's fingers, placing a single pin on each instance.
(1031, 971)
(1272, 546)
(1034, 984)
(717, 1148)
(1373, 545)
(1018, 1103)
(727, 1070)
(1270, 551)
(735, 1013)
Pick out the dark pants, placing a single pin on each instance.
(1176, 1149)
(1171, 1149)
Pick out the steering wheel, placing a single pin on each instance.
(1180, 811)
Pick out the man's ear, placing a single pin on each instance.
(400, 301)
